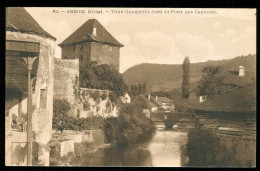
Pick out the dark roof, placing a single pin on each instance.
(84, 33)
(144, 99)
(164, 100)
(18, 19)
(232, 77)
(242, 99)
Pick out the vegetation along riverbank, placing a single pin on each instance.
(129, 128)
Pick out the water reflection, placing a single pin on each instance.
(117, 156)
(175, 148)
(164, 149)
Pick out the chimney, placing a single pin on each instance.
(202, 99)
(149, 96)
(94, 32)
(156, 97)
(241, 71)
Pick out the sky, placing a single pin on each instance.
(161, 35)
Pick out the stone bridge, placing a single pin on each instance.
(171, 118)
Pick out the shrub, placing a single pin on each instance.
(60, 113)
(204, 148)
(95, 95)
(86, 105)
(112, 97)
(104, 96)
(61, 120)
(130, 127)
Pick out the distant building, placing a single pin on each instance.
(165, 103)
(143, 101)
(232, 79)
(239, 100)
(155, 104)
(235, 79)
(92, 42)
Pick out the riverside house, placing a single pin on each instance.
(26, 38)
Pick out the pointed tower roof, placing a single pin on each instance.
(84, 34)
(18, 19)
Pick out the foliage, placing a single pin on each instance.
(210, 85)
(112, 97)
(186, 78)
(130, 127)
(86, 105)
(95, 95)
(137, 89)
(95, 122)
(140, 91)
(204, 148)
(104, 96)
(61, 119)
(144, 87)
(165, 77)
(102, 77)
(60, 113)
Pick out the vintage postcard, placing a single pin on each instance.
(124, 87)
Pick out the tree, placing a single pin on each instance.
(186, 78)
(135, 90)
(132, 89)
(144, 87)
(102, 77)
(140, 88)
(210, 84)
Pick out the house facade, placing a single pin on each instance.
(165, 103)
(145, 103)
(154, 104)
(92, 42)
(25, 38)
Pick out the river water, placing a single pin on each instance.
(164, 149)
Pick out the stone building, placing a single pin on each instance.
(24, 38)
(92, 42)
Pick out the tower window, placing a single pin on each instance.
(81, 47)
(73, 48)
(81, 57)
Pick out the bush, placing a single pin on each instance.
(104, 96)
(204, 148)
(86, 105)
(60, 113)
(112, 97)
(130, 127)
(95, 95)
(61, 119)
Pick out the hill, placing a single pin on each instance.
(167, 77)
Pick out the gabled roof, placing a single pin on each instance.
(164, 100)
(241, 99)
(143, 98)
(84, 33)
(19, 20)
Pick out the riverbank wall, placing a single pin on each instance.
(69, 143)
